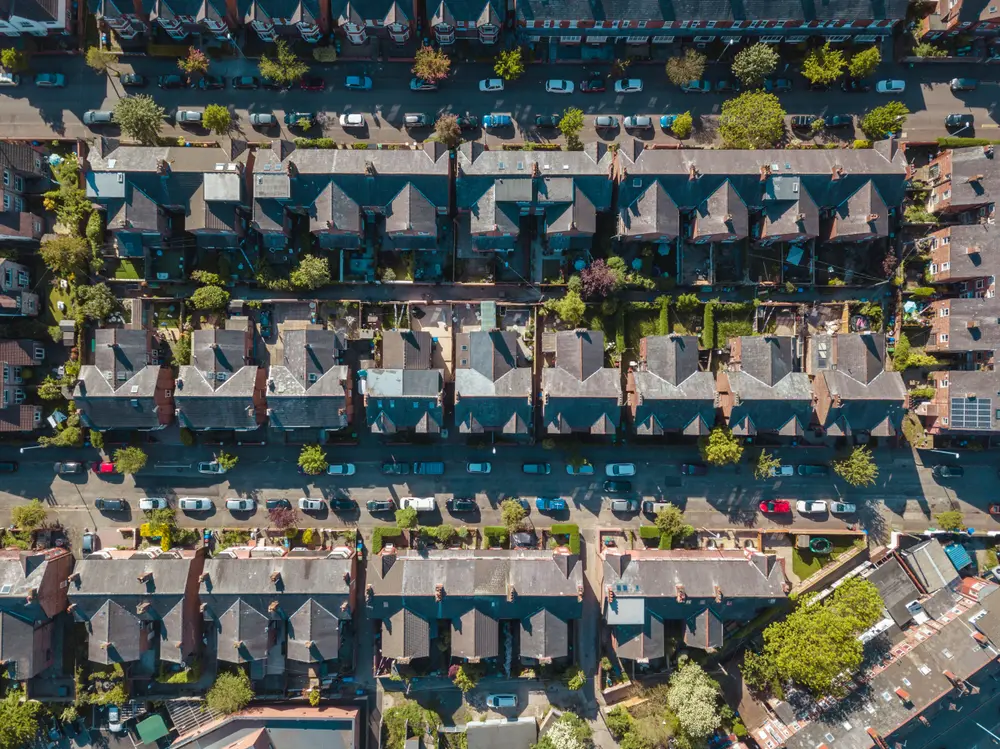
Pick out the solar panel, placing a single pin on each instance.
(970, 413)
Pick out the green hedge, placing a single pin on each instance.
(649, 532)
(568, 529)
(952, 142)
(383, 531)
(495, 535)
(315, 143)
(708, 326)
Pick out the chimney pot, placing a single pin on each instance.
(203, 577)
(681, 595)
(272, 607)
(275, 576)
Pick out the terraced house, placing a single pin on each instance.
(406, 393)
(466, 20)
(17, 357)
(667, 390)
(579, 394)
(965, 259)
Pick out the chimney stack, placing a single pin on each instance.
(203, 577)
(439, 591)
(681, 595)
(275, 577)
(145, 577)
(272, 607)
(718, 594)
(142, 608)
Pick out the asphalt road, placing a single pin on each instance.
(30, 112)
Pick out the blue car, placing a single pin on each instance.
(667, 121)
(496, 120)
(550, 504)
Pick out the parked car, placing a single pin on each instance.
(147, 504)
(132, 80)
(624, 505)
(958, 121)
(638, 122)
(50, 80)
(802, 121)
(693, 469)
(111, 504)
(343, 504)
(523, 540)
(651, 507)
(416, 119)
(547, 120)
(550, 504)
(195, 504)
(10, 79)
(593, 86)
(556, 86)
(311, 505)
(812, 469)
(312, 83)
(241, 505)
(428, 468)
(211, 467)
(8, 466)
(855, 86)
(843, 508)
(271, 84)
(667, 121)
(352, 120)
(494, 120)
(811, 506)
(782, 471)
(478, 467)
(775, 506)
(696, 87)
(890, 86)
(964, 84)
(102, 467)
(188, 117)
(380, 505)
(628, 86)
(461, 505)
(777, 85)
(419, 84)
(498, 701)
(617, 486)
(277, 504)
(114, 719)
(340, 469)
(420, 504)
(98, 117)
(491, 84)
(728, 86)
(467, 122)
(212, 83)
(245, 82)
(605, 122)
(586, 469)
(89, 545)
(395, 469)
(834, 121)
(263, 119)
(358, 82)
(68, 468)
(948, 472)
(536, 468)
(172, 81)
(299, 119)
(619, 469)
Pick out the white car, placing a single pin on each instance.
(843, 508)
(628, 86)
(890, 87)
(152, 503)
(114, 719)
(491, 84)
(241, 505)
(211, 467)
(311, 505)
(420, 504)
(352, 120)
(782, 471)
(556, 86)
(195, 504)
(478, 467)
(619, 469)
(340, 469)
(584, 470)
(807, 506)
(501, 700)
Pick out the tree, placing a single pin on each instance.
(100, 60)
(431, 64)
(823, 65)
(406, 517)
(465, 680)
(619, 722)
(689, 67)
(217, 119)
(512, 514)
(901, 354)
(447, 130)
(883, 121)
(230, 693)
(312, 460)
(210, 297)
(13, 60)
(759, 672)
(96, 302)
(49, 389)
(569, 731)
(30, 516)
(69, 200)
(313, 272)
(65, 253)
(140, 117)
(753, 120)
(196, 62)
(182, 350)
(753, 64)
(284, 68)
(694, 699)
(71, 435)
(570, 308)
(926, 49)
(599, 280)
(951, 520)
(207, 278)
(766, 463)
(283, 518)
(227, 461)
(721, 447)
(670, 521)
(509, 64)
(683, 125)
(857, 469)
(18, 720)
(571, 123)
(129, 460)
(575, 678)
(865, 62)
(314, 697)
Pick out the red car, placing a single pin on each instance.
(593, 86)
(103, 467)
(776, 505)
(312, 83)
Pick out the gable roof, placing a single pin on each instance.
(479, 12)
(492, 384)
(309, 387)
(967, 166)
(684, 10)
(768, 393)
(973, 324)
(670, 391)
(579, 392)
(217, 389)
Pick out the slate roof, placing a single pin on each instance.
(405, 393)
(294, 11)
(44, 11)
(477, 586)
(20, 573)
(314, 633)
(973, 324)
(972, 251)
(385, 11)
(769, 395)
(644, 641)
(981, 383)
(967, 165)
(25, 628)
(671, 394)
(579, 393)
(492, 384)
(931, 566)
(479, 12)
(310, 386)
(118, 390)
(20, 644)
(871, 399)
(896, 589)
(544, 634)
(216, 391)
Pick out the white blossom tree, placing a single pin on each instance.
(694, 699)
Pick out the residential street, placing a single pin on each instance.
(30, 112)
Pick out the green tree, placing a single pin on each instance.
(569, 731)
(406, 517)
(181, 350)
(721, 447)
(196, 62)
(926, 49)
(670, 521)
(465, 680)
(96, 302)
(285, 67)
(574, 678)
(447, 131)
(314, 697)
(129, 460)
(140, 118)
(753, 120)
(759, 672)
(883, 121)
(571, 124)
(230, 693)
(49, 389)
(13, 60)
(69, 200)
(217, 119)
(753, 64)
(431, 64)
(694, 699)
(64, 253)
(30, 516)
(951, 520)
(509, 64)
(100, 60)
(207, 278)
(901, 354)
(313, 272)
(95, 232)
(512, 514)
(864, 63)
(210, 297)
(858, 468)
(18, 720)
(765, 463)
(71, 436)
(312, 460)
(688, 67)
(823, 65)
(570, 308)
(227, 461)
(619, 722)
(683, 125)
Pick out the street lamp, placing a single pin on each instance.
(996, 738)
(32, 447)
(729, 43)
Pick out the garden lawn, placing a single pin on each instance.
(57, 295)
(805, 563)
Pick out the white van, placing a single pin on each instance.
(195, 504)
(420, 504)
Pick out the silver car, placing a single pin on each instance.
(98, 117)
(263, 119)
(188, 117)
(241, 505)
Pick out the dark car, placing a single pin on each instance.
(69, 468)
(461, 505)
(343, 505)
(106, 504)
(819, 86)
(132, 80)
(524, 540)
(837, 120)
(380, 505)
(395, 469)
(593, 86)
(296, 119)
(777, 85)
(948, 472)
(727, 86)
(312, 83)
(8, 466)
(245, 82)
(802, 121)
(547, 120)
(855, 86)
(272, 84)
(958, 121)
(813, 470)
(171, 81)
(467, 122)
(693, 469)
(212, 83)
(964, 84)
(617, 486)
(278, 504)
